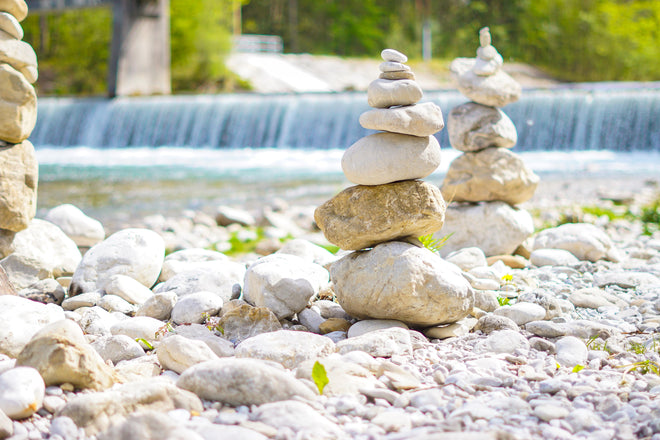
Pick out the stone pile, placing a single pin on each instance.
(487, 174)
(18, 114)
(390, 208)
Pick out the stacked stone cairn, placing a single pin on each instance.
(487, 179)
(390, 275)
(18, 115)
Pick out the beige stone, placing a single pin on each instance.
(402, 74)
(383, 158)
(10, 25)
(384, 93)
(474, 127)
(494, 174)
(496, 90)
(17, 8)
(19, 174)
(418, 120)
(334, 325)
(364, 216)
(18, 106)
(19, 55)
(245, 321)
(404, 282)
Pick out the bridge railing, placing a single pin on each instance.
(258, 43)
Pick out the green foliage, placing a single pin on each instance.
(319, 376)
(244, 244)
(166, 328)
(330, 248)
(434, 244)
(578, 368)
(145, 343)
(503, 301)
(650, 217)
(644, 367)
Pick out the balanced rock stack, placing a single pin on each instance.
(18, 115)
(390, 208)
(487, 174)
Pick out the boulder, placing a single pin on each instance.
(283, 283)
(19, 174)
(584, 240)
(364, 216)
(383, 158)
(61, 355)
(493, 174)
(19, 55)
(137, 253)
(384, 93)
(286, 347)
(495, 90)
(235, 382)
(21, 319)
(473, 127)
(401, 281)
(17, 8)
(423, 119)
(83, 230)
(95, 412)
(18, 106)
(494, 227)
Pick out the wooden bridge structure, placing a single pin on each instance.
(140, 49)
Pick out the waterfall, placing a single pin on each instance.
(564, 119)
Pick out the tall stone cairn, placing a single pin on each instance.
(487, 173)
(390, 208)
(18, 115)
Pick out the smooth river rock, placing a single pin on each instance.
(474, 127)
(383, 158)
(82, 229)
(494, 227)
(18, 106)
(19, 55)
(385, 93)
(496, 90)
(422, 119)
(22, 392)
(286, 347)
(17, 8)
(400, 281)
(19, 174)
(364, 216)
(584, 240)
(21, 319)
(494, 174)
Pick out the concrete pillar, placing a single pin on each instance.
(140, 53)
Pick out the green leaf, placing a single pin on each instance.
(145, 342)
(220, 329)
(578, 368)
(319, 376)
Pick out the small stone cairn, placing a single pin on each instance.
(18, 115)
(390, 208)
(488, 178)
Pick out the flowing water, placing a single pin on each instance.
(133, 156)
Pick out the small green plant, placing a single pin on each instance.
(578, 368)
(503, 301)
(166, 328)
(650, 217)
(145, 343)
(212, 323)
(434, 244)
(644, 367)
(636, 347)
(330, 248)
(319, 376)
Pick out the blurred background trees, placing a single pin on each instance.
(574, 40)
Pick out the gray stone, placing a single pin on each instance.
(45, 291)
(21, 392)
(219, 279)
(393, 66)
(187, 259)
(626, 279)
(192, 308)
(241, 382)
(298, 417)
(383, 93)
(311, 319)
(364, 216)
(383, 158)
(459, 328)
(473, 127)
(286, 347)
(423, 119)
(114, 303)
(309, 251)
(139, 327)
(159, 306)
(400, 281)
(128, 289)
(117, 348)
(467, 258)
(571, 351)
(149, 425)
(6, 426)
(585, 241)
(493, 174)
(96, 412)
(504, 341)
(97, 321)
(495, 90)
(490, 323)
(393, 55)
(522, 312)
(545, 299)
(88, 299)
(212, 431)
(137, 253)
(283, 283)
(219, 345)
(177, 353)
(245, 321)
(384, 343)
(226, 215)
(494, 227)
(82, 229)
(552, 257)
(343, 377)
(19, 174)
(370, 325)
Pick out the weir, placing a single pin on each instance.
(564, 119)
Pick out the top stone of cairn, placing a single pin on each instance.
(393, 56)
(488, 59)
